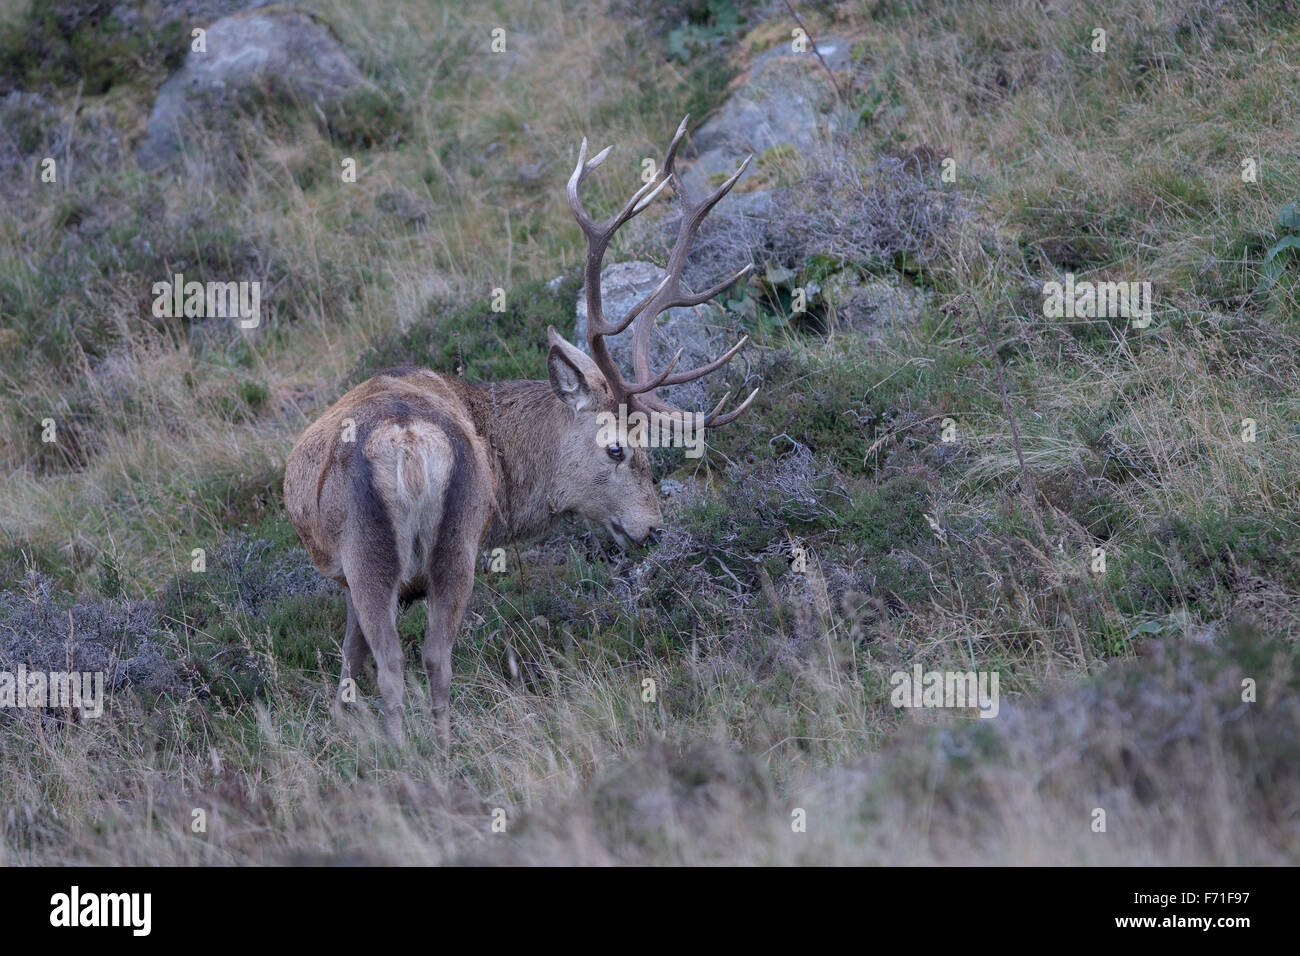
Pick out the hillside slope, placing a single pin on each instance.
(950, 456)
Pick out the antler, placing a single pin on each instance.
(666, 295)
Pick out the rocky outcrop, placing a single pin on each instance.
(286, 52)
(783, 101)
(697, 331)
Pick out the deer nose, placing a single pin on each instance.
(653, 535)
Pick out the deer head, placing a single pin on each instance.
(618, 490)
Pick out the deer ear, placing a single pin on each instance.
(575, 355)
(568, 377)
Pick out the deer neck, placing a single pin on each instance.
(523, 424)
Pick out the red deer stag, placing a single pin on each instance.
(397, 487)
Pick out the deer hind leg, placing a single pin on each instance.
(451, 580)
(372, 588)
(377, 612)
(450, 574)
(354, 657)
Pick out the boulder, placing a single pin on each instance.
(782, 101)
(699, 331)
(286, 51)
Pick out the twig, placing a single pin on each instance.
(72, 131)
(898, 431)
(1030, 491)
(795, 13)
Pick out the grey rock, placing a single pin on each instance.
(783, 102)
(787, 99)
(246, 52)
(871, 305)
(699, 332)
(670, 488)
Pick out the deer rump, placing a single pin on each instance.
(405, 488)
(398, 502)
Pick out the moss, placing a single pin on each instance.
(473, 340)
(1200, 565)
(369, 118)
(67, 43)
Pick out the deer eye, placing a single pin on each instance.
(615, 452)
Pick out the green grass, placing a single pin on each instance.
(173, 437)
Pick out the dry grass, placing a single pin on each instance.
(771, 687)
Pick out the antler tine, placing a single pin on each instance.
(598, 235)
(702, 208)
(714, 421)
(666, 295)
(637, 203)
(682, 377)
(580, 173)
(679, 185)
(658, 380)
(670, 159)
(656, 405)
(706, 295)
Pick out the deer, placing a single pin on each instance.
(399, 486)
